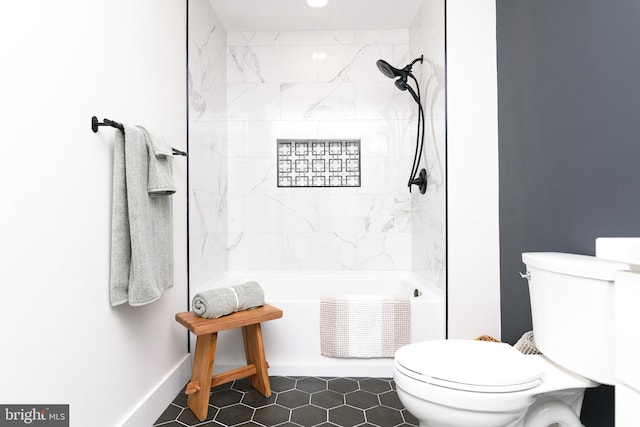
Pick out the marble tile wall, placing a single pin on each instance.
(428, 211)
(208, 183)
(276, 89)
(246, 90)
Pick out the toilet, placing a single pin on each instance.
(469, 383)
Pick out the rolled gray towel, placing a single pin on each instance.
(218, 302)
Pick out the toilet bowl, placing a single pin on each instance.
(468, 383)
(454, 383)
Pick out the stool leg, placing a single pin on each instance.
(254, 350)
(201, 374)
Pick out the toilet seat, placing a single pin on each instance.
(469, 365)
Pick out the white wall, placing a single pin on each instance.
(472, 161)
(62, 342)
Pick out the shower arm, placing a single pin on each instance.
(421, 59)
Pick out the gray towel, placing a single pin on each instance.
(160, 178)
(218, 302)
(141, 226)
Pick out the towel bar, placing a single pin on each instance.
(95, 124)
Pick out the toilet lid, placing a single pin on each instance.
(470, 365)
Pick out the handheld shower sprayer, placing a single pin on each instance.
(402, 75)
(403, 85)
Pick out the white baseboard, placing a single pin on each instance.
(158, 399)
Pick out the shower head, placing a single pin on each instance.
(388, 70)
(402, 76)
(393, 72)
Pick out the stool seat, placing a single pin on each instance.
(206, 331)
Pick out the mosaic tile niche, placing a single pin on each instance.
(318, 163)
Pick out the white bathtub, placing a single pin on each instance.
(292, 343)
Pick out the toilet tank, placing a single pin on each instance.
(572, 309)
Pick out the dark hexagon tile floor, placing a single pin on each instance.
(297, 402)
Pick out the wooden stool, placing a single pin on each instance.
(206, 331)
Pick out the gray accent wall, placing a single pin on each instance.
(569, 141)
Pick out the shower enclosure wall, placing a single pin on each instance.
(249, 89)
